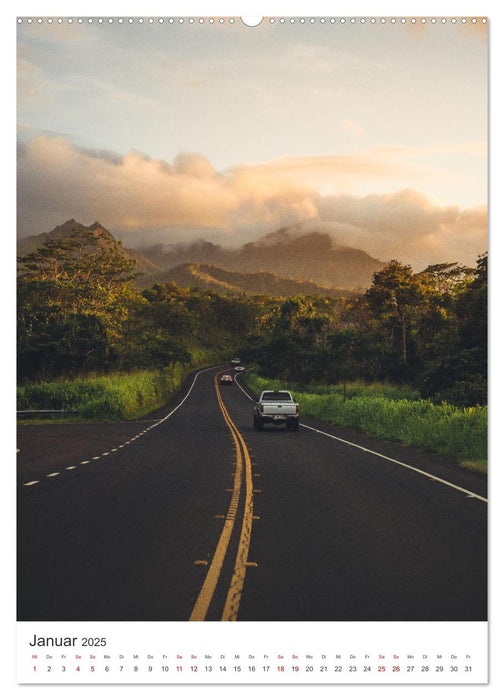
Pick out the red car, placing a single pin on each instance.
(226, 379)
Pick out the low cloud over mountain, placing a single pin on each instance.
(147, 201)
(282, 262)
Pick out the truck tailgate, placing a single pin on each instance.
(280, 409)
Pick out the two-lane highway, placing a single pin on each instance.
(190, 514)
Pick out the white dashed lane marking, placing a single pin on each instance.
(115, 449)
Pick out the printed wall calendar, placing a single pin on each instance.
(252, 350)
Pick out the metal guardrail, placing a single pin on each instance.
(46, 410)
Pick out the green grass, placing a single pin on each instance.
(475, 465)
(111, 397)
(360, 388)
(383, 412)
(104, 398)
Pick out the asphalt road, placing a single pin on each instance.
(192, 514)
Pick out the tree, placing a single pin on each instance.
(443, 279)
(352, 354)
(472, 311)
(394, 297)
(84, 272)
(73, 298)
(456, 364)
(289, 337)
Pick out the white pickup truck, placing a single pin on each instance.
(276, 407)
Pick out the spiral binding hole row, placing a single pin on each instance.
(232, 20)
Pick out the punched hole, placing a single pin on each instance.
(251, 21)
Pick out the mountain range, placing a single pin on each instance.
(225, 281)
(282, 263)
(310, 256)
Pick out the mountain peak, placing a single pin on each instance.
(69, 225)
(297, 254)
(68, 229)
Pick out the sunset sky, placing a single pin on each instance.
(376, 133)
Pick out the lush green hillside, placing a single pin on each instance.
(288, 253)
(251, 283)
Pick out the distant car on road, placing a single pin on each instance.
(235, 361)
(226, 379)
(276, 407)
(239, 368)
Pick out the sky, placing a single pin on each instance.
(169, 132)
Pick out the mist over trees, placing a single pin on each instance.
(79, 313)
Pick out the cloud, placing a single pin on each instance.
(29, 80)
(378, 165)
(134, 193)
(409, 226)
(194, 165)
(352, 128)
(144, 200)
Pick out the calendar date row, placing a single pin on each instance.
(301, 668)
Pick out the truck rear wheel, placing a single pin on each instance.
(258, 423)
(293, 424)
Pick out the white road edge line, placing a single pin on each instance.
(378, 454)
(402, 464)
(185, 397)
(207, 369)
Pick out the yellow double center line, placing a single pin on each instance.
(233, 598)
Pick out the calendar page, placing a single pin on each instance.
(252, 348)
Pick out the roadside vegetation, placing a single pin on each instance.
(110, 397)
(382, 411)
